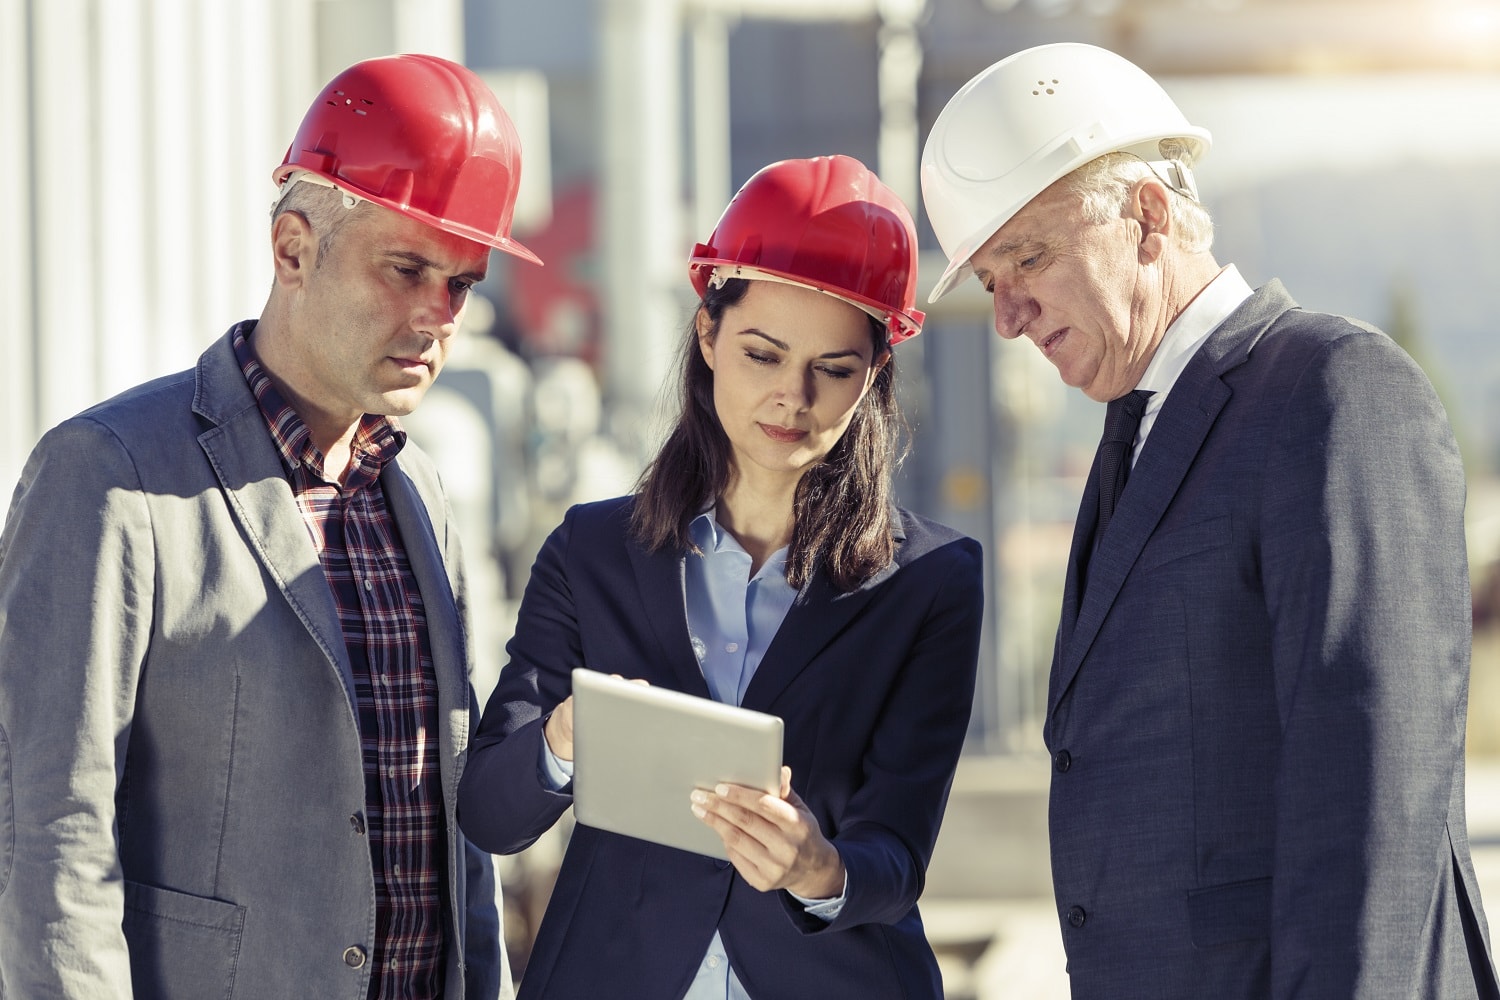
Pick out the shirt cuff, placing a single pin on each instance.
(556, 774)
(825, 909)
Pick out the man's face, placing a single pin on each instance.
(1084, 293)
(376, 314)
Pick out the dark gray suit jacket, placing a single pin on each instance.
(1257, 706)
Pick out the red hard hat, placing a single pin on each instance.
(826, 223)
(421, 136)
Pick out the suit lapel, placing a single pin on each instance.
(1178, 434)
(260, 501)
(415, 512)
(661, 582)
(243, 458)
(819, 614)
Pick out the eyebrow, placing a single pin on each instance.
(417, 260)
(1009, 246)
(756, 332)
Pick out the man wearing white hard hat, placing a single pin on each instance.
(1258, 694)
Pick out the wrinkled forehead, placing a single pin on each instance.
(1054, 213)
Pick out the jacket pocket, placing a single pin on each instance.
(1187, 540)
(1237, 911)
(181, 945)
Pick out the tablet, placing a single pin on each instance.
(639, 751)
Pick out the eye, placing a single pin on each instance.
(407, 271)
(460, 286)
(1027, 263)
(834, 371)
(760, 357)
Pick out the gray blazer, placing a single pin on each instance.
(1256, 710)
(181, 791)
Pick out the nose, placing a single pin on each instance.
(1014, 309)
(795, 389)
(439, 313)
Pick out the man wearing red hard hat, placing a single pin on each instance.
(234, 700)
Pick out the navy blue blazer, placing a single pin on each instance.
(1257, 704)
(875, 687)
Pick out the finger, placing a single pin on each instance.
(786, 781)
(633, 680)
(754, 800)
(739, 828)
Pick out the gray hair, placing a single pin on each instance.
(324, 208)
(1104, 184)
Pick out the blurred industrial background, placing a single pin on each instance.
(1356, 157)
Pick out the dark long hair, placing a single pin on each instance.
(843, 507)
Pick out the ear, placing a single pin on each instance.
(294, 248)
(1151, 207)
(880, 362)
(705, 327)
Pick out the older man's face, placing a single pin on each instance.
(1081, 292)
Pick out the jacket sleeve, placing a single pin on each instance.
(486, 967)
(487, 973)
(891, 823)
(502, 804)
(1366, 583)
(76, 592)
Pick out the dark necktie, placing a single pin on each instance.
(1122, 418)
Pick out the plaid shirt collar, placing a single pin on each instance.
(377, 439)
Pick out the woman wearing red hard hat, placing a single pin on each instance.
(761, 563)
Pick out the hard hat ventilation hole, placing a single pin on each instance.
(348, 101)
(1044, 85)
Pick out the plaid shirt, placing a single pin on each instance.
(385, 631)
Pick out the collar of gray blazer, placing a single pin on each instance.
(238, 446)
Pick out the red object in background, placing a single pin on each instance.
(557, 306)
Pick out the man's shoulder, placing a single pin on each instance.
(1284, 335)
(149, 408)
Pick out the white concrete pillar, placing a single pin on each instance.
(64, 154)
(642, 252)
(708, 90)
(18, 375)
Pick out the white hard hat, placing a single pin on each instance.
(1031, 119)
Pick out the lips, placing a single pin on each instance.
(1050, 345)
(783, 434)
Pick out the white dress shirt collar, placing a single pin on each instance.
(1188, 331)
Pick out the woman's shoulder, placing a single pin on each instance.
(920, 536)
(595, 517)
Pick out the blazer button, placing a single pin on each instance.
(720, 864)
(357, 823)
(1062, 760)
(1076, 916)
(354, 956)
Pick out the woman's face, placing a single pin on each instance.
(790, 365)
